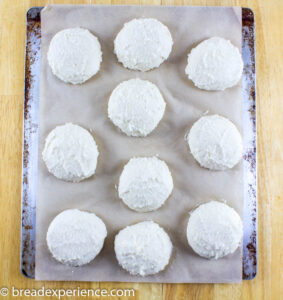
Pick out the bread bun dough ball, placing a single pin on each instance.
(143, 44)
(215, 64)
(136, 106)
(143, 249)
(214, 230)
(75, 237)
(145, 183)
(215, 143)
(74, 55)
(70, 153)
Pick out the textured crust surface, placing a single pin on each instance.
(70, 153)
(75, 237)
(136, 106)
(214, 230)
(215, 143)
(74, 55)
(145, 183)
(143, 44)
(215, 64)
(143, 249)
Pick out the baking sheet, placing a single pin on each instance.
(86, 105)
(30, 144)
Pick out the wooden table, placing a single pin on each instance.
(269, 58)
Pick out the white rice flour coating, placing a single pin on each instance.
(215, 64)
(70, 153)
(214, 230)
(143, 249)
(136, 106)
(75, 237)
(74, 55)
(215, 142)
(143, 44)
(145, 183)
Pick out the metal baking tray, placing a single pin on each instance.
(30, 144)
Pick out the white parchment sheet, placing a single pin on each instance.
(86, 105)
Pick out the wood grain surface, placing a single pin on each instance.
(269, 64)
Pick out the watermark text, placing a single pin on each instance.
(59, 293)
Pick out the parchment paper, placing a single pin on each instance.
(86, 105)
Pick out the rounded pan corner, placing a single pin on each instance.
(33, 13)
(253, 276)
(25, 274)
(249, 11)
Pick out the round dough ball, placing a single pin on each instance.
(215, 65)
(143, 249)
(143, 44)
(76, 237)
(214, 230)
(70, 153)
(74, 55)
(215, 143)
(145, 183)
(136, 106)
